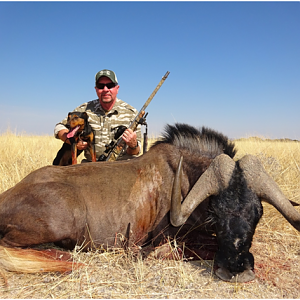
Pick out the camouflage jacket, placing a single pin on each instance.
(104, 124)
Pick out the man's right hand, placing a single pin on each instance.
(81, 145)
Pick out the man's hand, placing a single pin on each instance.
(130, 139)
(81, 145)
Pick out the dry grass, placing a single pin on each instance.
(116, 274)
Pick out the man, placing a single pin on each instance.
(105, 115)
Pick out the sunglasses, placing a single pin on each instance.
(109, 85)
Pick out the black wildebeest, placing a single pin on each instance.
(94, 203)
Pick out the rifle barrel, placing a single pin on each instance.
(154, 92)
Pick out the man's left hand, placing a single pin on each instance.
(130, 138)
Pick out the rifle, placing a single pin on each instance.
(115, 148)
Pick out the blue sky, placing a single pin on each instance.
(234, 66)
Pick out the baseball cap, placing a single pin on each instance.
(107, 73)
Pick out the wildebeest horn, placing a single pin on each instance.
(211, 182)
(266, 188)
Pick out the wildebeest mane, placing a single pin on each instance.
(202, 141)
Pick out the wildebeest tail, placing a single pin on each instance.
(33, 261)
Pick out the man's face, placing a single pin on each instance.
(107, 96)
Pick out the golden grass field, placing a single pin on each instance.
(115, 274)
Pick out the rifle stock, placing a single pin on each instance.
(116, 148)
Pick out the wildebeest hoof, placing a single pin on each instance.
(225, 275)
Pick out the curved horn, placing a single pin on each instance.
(265, 187)
(175, 210)
(211, 182)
